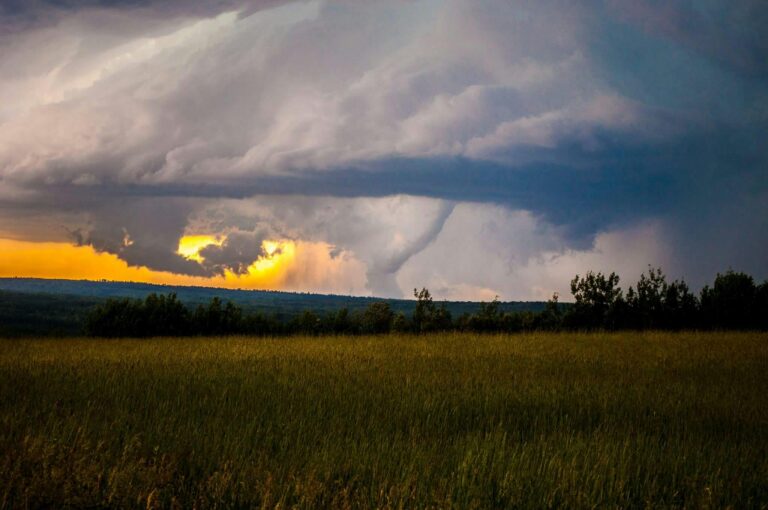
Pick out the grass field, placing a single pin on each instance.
(538, 420)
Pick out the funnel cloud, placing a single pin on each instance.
(551, 138)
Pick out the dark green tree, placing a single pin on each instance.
(551, 318)
(760, 307)
(488, 317)
(400, 323)
(218, 318)
(341, 322)
(116, 318)
(681, 308)
(598, 301)
(377, 318)
(307, 323)
(165, 315)
(647, 304)
(425, 309)
(730, 302)
(429, 317)
(660, 305)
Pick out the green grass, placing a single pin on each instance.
(538, 420)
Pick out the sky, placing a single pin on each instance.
(478, 148)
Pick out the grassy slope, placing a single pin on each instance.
(532, 420)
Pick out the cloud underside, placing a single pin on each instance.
(498, 161)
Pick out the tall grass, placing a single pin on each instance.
(538, 420)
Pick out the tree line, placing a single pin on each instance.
(733, 301)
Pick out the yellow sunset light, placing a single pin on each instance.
(278, 252)
(281, 264)
(264, 269)
(190, 246)
(270, 247)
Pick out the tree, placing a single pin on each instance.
(760, 306)
(218, 318)
(488, 317)
(427, 316)
(424, 310)
(165, 315)
(597, 299)
(730, 302)
(442, 320)
(157, 315)
(680, 307)
(341, 322)
(648, 303)
(551, 318)
(115, 318)
(307, 323)
(377, 318)
(400, 323)
(257, 323)
(660, 305)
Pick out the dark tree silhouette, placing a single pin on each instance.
(378, 318)
(598, 301)
(659, 305)
(730, 302)
(427, 316)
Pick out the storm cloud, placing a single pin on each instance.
(379, 128)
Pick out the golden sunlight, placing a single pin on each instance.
(190, 246)
(262, 268)
(278, 268)
(282, 252)
(63, 260)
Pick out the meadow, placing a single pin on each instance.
(444, 420)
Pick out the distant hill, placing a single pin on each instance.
(42, 306)
(23, 314)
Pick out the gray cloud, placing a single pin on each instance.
(382, 232)
(133, 120)
(23, 15)
(382, 274)
(142, 232)
(238, 251)
(728, 32)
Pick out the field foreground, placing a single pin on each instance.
(539, 420)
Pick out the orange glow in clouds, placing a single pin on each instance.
(263, 270)
(63, 260)
(190, 246)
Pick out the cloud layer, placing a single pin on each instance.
(393, 131)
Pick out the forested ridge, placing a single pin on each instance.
(733, 301)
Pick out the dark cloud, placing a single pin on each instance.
(731, 33)
(128, 118)
(238, 251)
(608, 190)
(142, 232)
(693, 184)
